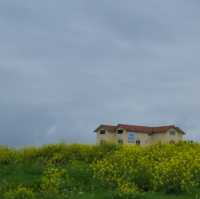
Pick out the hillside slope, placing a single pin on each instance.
(106, 171)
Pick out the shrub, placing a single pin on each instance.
(60, 170)
(125, 170)
(54, 180)
(119, 195)
(20, 193)
(168, 168)
(81, 177)
(7, 156)
(180, 173)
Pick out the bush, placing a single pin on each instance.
(81, 177)
(60, 170)
(7, 156)
(168, 168)
(180, 173)
(118, 195)
(124, 170)
(55, 180)
(20, 193)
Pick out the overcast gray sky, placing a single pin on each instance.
(67, 66)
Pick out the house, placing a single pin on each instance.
(141, 135)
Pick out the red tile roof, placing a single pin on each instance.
(140, 129)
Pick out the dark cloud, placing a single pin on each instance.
(68, 66)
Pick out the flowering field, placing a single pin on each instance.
(99, 172)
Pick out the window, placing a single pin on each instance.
(120, 131)
(172, 133)
(131, 137)
(102, 131)
(138, 142)
(120, 141)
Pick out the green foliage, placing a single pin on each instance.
(54, 180)
(168, 168)
(20, 193)
(64, 171)
(7, 156)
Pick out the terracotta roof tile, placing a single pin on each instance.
(145, 129)
(139, 129)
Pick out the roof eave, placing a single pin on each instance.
(97, 128)
(103, 126)
(179, 130)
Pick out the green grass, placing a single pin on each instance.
(21, 174)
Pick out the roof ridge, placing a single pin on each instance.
(140, 128)
(172, 125)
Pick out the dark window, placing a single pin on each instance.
(120, 141)
(102, 131)
(138, 142)
(120, 131)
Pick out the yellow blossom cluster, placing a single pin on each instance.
(169, 168)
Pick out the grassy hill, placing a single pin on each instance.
(100, 172)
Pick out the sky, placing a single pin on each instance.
(68, 66)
